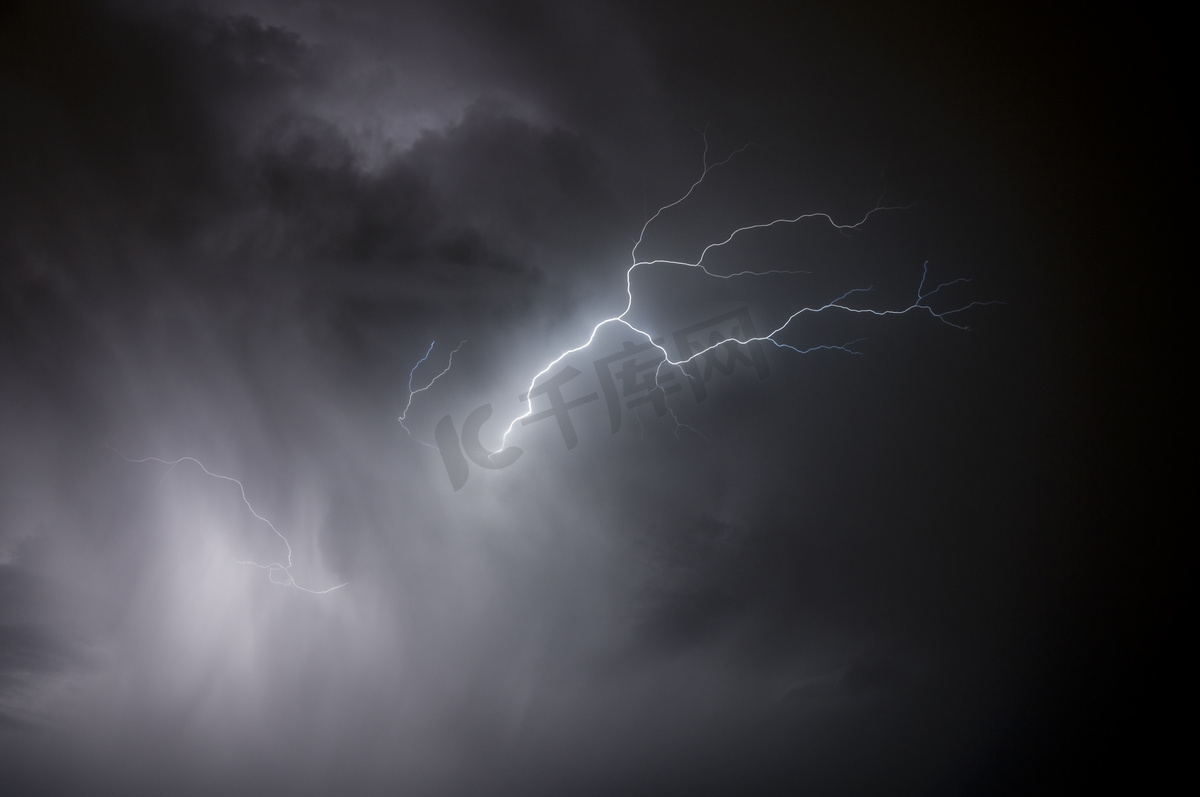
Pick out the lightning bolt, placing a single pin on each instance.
(918, 305)
(278, 572)
(281, 572)
(412, 393)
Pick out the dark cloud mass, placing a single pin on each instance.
(228, 231)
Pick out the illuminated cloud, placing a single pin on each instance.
(305, 244)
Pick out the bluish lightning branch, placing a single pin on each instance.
(412, 393)
(279, 572)
(836, 304)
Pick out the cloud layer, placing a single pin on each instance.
(230, 233)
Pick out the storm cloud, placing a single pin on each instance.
(232, 232)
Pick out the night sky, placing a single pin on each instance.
(922, 558)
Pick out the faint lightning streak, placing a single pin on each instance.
(275, 569)
(837, 304)
(412, 393)
(699, 264)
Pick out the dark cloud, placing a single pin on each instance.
(229, 233)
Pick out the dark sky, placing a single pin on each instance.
(925, 565)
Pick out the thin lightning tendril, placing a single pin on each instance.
(279, 572)
(412, 393)
(836, 304)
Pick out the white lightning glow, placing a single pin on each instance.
(412, 393)
(279, 572)
(837, 304)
